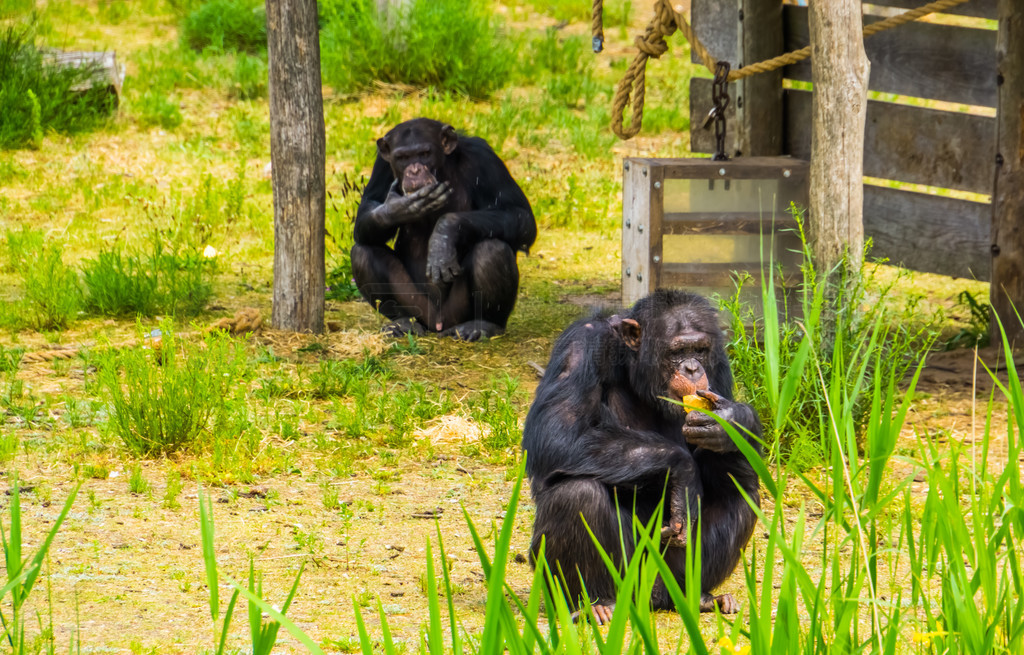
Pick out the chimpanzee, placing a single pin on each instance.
(602, 440)
(459, 218)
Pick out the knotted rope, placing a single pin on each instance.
(665, 23)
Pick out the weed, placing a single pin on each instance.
(9, 443)
(863, 315)
(50, 292)
(37, 96)
(165, 399)
(978, 327)
(498, 407)
(249, 79)
(10, 358)
(120, 285)
(448, 44)
(226, 25)
(341, 216)
(172, 490)
(157, 109)
(137, 483)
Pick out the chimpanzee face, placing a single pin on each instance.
(674, 352)
(416, 151)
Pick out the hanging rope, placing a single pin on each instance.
(597, 25)
(665, 23)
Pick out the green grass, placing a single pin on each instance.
(37, 97)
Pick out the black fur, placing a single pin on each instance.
(600, 441)
(452, 268)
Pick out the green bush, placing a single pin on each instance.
(226, 25)
(174, 396)
(50, 293)
(37, 97)
(448, 44)
(840, 320)
(118, 285)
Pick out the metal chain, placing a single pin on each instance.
(720, 100)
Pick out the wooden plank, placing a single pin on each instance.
(637, 191)
(929, 233)
(716, 24)
(1007, 235)
(923, 60)
(758, 98)
(976, 8)
(946, 149)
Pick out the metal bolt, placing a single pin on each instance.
(626, 165)
(640, 227)
(657, 259)
(639, 277)
(628, 272)
(628, 223)
(721, 171)
(786, 173)
(644, 171)
(657, 185)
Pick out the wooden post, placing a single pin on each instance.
(1007, 289)
(297, 155)
(839, 68)
(759, 97)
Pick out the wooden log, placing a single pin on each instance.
(106, 70)
(297, 154)
(1007, 290)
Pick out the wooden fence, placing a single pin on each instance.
(931, 121)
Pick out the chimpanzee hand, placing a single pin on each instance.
(399, 209)
(703, 431)
(442, 259)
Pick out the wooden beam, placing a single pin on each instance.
(1007, 290)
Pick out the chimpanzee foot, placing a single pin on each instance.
(674, 536)
(725, 603)
(474, 330)
(602, 613)
(403, 326)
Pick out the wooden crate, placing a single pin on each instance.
(696, 223)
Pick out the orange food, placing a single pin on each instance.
(696, 402)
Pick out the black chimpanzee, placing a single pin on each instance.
(601, 441)
(459, 218)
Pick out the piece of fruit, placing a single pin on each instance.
(696, 402)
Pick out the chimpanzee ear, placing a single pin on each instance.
(384, 148)
(629, 331)
(449, 139)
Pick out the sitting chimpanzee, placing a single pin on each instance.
(459, 218)
(602, 441)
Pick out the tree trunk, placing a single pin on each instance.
(1007, 290)
(839, 68)
(297, 155)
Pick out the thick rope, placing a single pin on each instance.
(597, 25)
(667, 20)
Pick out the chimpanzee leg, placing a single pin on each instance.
(726, 524)
(480, 300)
(568, 548)
(385, 283)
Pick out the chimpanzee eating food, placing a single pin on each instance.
(603, 438)
(457, 218)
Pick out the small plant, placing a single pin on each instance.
(341, 216)
(120, 285)
(226, 25)
(172, 490)
(978, 326)
(263, 635)
(157, 109)
(137, 483)
(452, 45)
(165, 399)
(498, 407)
(38, 96)
(22, 574)
(51, 296)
